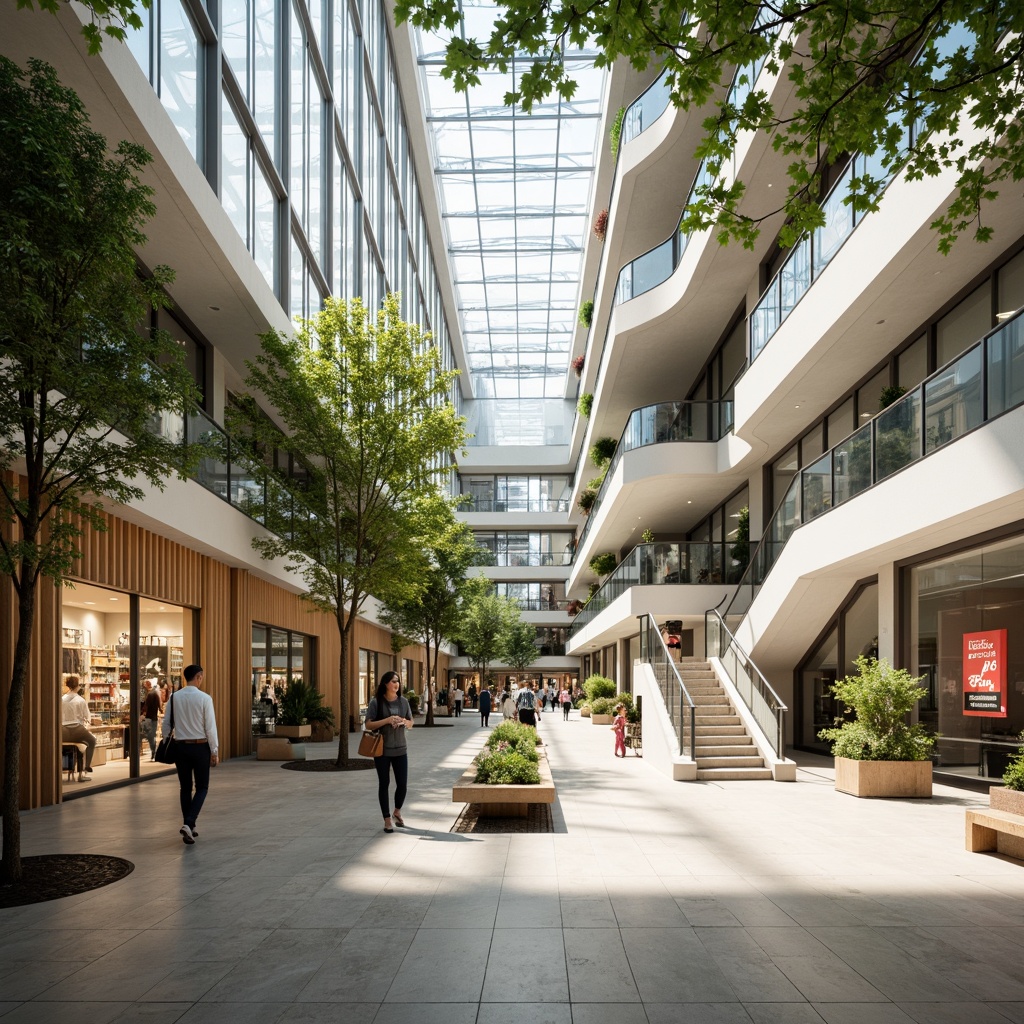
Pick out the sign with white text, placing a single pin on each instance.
(985, 674)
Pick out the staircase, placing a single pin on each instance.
(722, 747)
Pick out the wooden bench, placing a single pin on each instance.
(1001, 831)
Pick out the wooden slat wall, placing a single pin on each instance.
(225, 601)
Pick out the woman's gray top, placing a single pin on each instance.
(394, 735)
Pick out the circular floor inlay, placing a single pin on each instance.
(56, 875)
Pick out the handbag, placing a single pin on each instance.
(165, 748)
(371, 744)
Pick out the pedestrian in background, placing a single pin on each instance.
(565, 700)
(619, 727)
(485, 705)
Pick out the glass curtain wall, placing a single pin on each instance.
(279, 657)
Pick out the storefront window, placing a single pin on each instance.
(124, 708)
(975, 597)
(278, 657)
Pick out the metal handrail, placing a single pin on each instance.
(661, 661)
(755, 688)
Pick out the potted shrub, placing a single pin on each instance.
(602, 710)
(877, 752)
(577, 366)
(1010, 795)
(603, 563)
(586, 316)
(414, 700)
(584, 707)
(615, 131)
(585, 502)
(602, 450)
(601, 225)
(585, 404)
(292, 720)
(575, 606)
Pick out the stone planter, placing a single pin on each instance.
(321, 732)
(274, 748)
(602, 719)
(584, 712)
(505, 801)
(1002, 799)
(293, 732)
(884, 778)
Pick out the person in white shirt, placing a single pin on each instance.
(458, 697)
(74, 726)
(195, 752)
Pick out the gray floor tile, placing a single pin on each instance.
(442, 966)
(598, 968)
(527, 964)
(782, 1013)
(329, 1013)
(696, 1013)
(952, 1013)
(524, 1013)
(358, 971)
(428, 1013)
(862, 1013)
(608, 1013)
(671, 966)
(38, 1012)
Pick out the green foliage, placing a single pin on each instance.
(891, 393)
(615, 131)
(603, 563)
(519, 645)
(585, 404)
(647, 537)
(597, 482)
(603, 706)
(506, 768)
(302, 704)
(524, 738)
(1013, 777)
(414, 700)
(90, 406)
(111, 18)
(596, 686)
(632, 711)
(860, 75)
(602, 450)
(585, 502)
(367, 412)
(486, 621)
(586, 314)
(881, 698)
(740, 550)
(432, 613)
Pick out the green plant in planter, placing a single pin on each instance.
(602, 450)
(615, 131)
(890, 394)
(586, 315)
(514, 732)
(1013, 777)
(647, 537)
(596, 686)
(585, 502)
(603, 563)
(585, 404)
(414, 700)
(604, 706)
(302, 704)
(506, 768)
(595, 484)
(881, 697)
(593, 589)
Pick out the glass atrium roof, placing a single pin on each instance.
(515, 196)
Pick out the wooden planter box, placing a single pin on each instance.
(584, 712)
(884, 778)
(505, 801)
(601, 719)
(321, 732)
(274, 748)
(293, 732)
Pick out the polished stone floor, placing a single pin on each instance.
(653, 901)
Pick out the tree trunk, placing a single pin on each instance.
(343, 716)
(431, 677)
(10, 864)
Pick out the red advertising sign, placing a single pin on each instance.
(985, 674)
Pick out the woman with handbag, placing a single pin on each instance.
(390, 713)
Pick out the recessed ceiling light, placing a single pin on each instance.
(689, 502)
(796, 406)
(88, 602)
(865, 415)
(113, 599)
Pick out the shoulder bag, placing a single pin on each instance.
(165, 749)
(371, 743)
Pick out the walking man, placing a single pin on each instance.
(195, 730)
(485, 705)
(150, 716)
(458, 696)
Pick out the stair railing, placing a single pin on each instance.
(755, 691)
(678, 701)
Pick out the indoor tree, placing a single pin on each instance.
(433, 613)
(82, 386)
(904, 81)
(366, 412)
(485, 623)
(519, 645)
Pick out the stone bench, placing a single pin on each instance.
(995, 830)
(505, 801)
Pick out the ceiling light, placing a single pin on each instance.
(88, 602)
(113, 599)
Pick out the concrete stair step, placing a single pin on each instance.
(704, 699)
(736, 739)
(727, 753)
(729, 762)
(716, 716)
(721, 733)
(732, 774)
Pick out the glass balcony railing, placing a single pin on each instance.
(645, 110)
(815, 250)
(664, 423)
(665, 562)
(514, 504)
(657, 265)
(984, 382)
